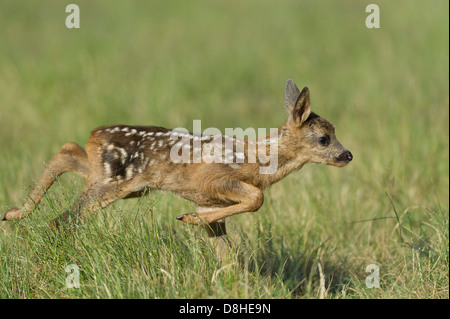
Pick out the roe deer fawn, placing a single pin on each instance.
(124, 161)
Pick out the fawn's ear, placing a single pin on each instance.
(296, 103)
(291, 94)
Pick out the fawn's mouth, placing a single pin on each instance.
(340, 163)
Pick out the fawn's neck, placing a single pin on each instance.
(279, 162)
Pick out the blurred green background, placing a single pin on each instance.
(167, 63)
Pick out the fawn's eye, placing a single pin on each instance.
(324, 140)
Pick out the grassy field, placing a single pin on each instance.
(167, 63)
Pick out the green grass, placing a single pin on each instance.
(226, 62)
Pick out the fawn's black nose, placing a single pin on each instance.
(349, 156)
(346, 156)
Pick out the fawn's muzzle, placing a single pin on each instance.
(345, 157)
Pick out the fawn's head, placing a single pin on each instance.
(307, 136)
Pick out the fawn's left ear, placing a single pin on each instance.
(296, 103)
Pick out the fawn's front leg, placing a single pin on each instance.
(218, 238)
(248, 198)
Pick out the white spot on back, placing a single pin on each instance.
(129, 172)
(107, 168)
(123, 152)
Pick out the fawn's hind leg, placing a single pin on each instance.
(70, 158)
(98, 195)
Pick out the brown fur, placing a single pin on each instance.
(126, 161)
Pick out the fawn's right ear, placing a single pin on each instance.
(296, 103)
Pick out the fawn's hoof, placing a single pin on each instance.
(13, 213)
(189, 218)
